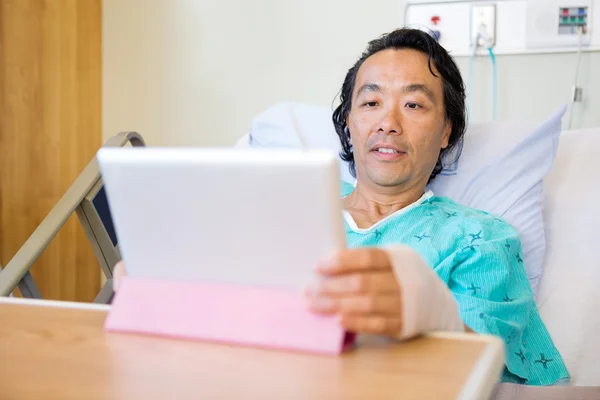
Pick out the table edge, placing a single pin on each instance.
(485, 375)
(54, 303)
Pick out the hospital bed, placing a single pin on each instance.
(85, 197)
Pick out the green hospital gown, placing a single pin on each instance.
(479, 257)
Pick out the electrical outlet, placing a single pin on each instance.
(483, 25)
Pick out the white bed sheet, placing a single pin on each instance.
(569, 296)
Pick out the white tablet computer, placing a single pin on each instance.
(234, 216)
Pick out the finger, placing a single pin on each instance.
(118, 274)
(356, 305)
(366, 282)
(354, 260)
(374, 324)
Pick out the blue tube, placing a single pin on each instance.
(494, 84)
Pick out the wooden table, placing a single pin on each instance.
(55, 350)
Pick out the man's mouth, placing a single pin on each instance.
(387, 150)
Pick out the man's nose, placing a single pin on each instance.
(390, 123)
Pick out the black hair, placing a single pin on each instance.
(452, 83)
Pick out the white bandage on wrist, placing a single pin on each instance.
(427, 303)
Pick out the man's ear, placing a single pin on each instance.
(348, 128)
(447, 133)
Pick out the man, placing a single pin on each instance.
(402, 114)
(419, 263)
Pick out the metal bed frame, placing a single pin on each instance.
(78, 198)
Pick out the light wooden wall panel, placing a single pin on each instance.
(50, 128)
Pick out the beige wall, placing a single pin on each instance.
(194, 72)
(533, 86)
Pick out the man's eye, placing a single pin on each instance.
(370, 104)
(412, 106)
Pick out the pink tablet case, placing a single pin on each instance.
(252, 316)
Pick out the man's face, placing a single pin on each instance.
(397, 121)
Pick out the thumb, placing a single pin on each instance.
(118, 275)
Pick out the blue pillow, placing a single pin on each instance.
(501, 171)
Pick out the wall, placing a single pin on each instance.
(533, 86)
(195, 72)
(50, 128)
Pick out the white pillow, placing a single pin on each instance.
(297, 125)
(499, 171)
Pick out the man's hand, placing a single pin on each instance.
(118, 274)
(360, 287)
